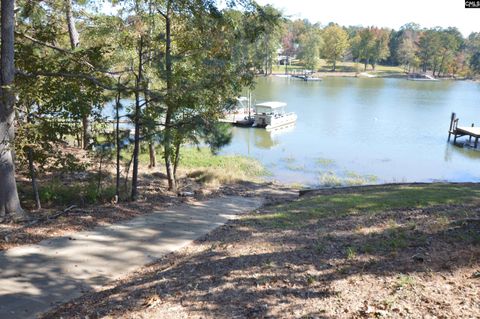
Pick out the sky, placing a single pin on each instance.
(383, 13)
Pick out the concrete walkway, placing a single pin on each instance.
(37, 277)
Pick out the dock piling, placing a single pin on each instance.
(452, 120)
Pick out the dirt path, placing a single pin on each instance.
(37, 277)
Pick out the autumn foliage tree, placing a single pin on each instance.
(335, 44)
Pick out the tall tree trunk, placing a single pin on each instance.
(440, 68)
(127, 173)
(178, 144)
(266, 54)
(99, 181)
(334, 62)
(85, 131)
(72, 29)
(74, 43)
(151, 145)
(136, 147)
(9, 201)
(152, 155)
(117, 142)
(168, 144)
(33, 178)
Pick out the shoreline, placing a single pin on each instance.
(364, 75)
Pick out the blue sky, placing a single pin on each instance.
(383, 13)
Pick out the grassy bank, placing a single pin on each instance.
(206, 167)
(401, 251)
(346, 69)
(85, 188)
(370, 200)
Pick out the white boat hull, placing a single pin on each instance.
(270, 122)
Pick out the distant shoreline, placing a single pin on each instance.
(365, 75)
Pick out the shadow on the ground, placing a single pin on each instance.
(260, 267)
(34, 278)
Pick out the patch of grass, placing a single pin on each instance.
(404, 281)
(297, 186)
(350, 253)
(438, 224)
(281, 68)
(280, 220)
(330, 179)
(270, 264)
(377, 199)
(397, 238)
(319, 247)
(348, 66)
(55, 192)
(209, 168)
(310, 279)
(324, 162)
(298, 168)
(354, 179)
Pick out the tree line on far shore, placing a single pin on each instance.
(440, 51)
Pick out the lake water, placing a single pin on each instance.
(352, 130)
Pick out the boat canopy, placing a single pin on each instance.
(268, 107)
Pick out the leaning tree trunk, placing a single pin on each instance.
(9, 201)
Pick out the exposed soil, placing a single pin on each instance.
(402, 263)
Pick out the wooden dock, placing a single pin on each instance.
(459, 131)
(305, 76)
(238, 119)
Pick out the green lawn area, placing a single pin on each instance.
(210, 168)
(380, 70)
(370, 201)
(207, 167)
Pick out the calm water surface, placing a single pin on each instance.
(375, 130)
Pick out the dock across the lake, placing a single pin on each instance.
(459, 131)
(305, 76)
